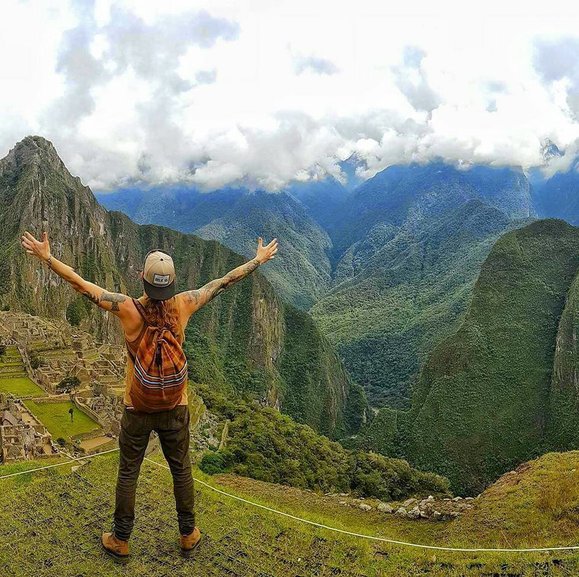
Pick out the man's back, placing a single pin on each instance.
(134, 327)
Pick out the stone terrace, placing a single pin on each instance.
(62, 351)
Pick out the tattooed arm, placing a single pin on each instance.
(195, 299)
(113, 302)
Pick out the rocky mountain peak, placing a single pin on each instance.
(550, 150)
(31, 151)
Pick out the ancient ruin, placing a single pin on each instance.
(22, 435)
(49, 351)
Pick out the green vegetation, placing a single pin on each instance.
(237, 342)
(76, 311)
(68, 384)
(240, 539)
(538, 502)
(408, 293)
(13, 377)
(20, 387)
(56, 418)
(265, 445)
(482, 403)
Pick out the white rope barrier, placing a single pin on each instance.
(313, 523)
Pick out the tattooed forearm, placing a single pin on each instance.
(215, 287)
(91, 297)
(219, 285)
(114, 299)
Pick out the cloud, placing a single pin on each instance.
(314, 64)
(259, 93)
(411, 79)
(558, 60)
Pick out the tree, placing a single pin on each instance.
(68, 384)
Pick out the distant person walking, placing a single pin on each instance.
(155, 394)
(71, 413)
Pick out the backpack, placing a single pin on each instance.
(160, 369)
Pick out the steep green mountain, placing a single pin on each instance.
(502, 389)
(395, 273)
(243, 341)
(562, 426)
(407, 247)
(236, 217)
(407, 295)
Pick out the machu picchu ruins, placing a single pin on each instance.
(45, 362)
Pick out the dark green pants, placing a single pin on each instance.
(173, 430)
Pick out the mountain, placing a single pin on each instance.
(407, 247)
(558, 196)
(246, 341)
(321, 198)
(385, 268)
(409, 194)
(236, 217)
(502, 389)
(302, 273)
(408, 295)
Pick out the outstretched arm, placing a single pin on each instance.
(195, 299)
(113, 302)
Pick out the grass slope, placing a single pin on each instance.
(55, 417)
(50, 525)
(13, 377)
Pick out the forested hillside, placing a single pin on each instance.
(247, 340)
(502, 389)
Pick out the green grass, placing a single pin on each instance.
(537, 503)
(50, 525)
(20, 387)
(55, 417)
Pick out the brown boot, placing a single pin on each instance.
(190, 542)
(117, 548)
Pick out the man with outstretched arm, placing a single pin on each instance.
(158, 306)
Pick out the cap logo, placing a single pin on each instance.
(161, 279)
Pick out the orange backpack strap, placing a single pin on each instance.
(143, 313)
(141, 310)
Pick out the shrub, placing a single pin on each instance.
(212, 463)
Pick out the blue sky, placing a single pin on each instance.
(257, 93)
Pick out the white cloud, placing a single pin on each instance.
(218, 92)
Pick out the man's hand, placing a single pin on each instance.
(117, 303)
(40, 249)
(264, 253)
